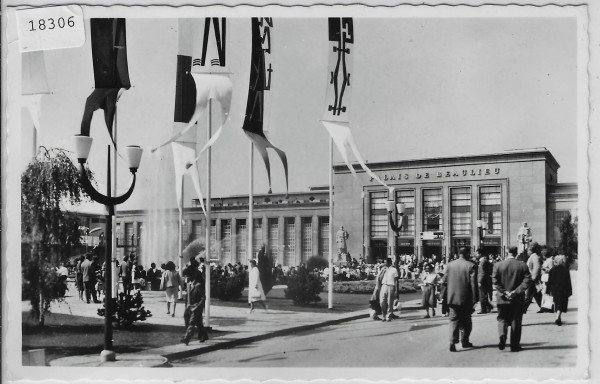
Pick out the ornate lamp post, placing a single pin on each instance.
(396, 227)
(82, 146)
(481, 228)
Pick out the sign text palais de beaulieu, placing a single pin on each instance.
(440, 174)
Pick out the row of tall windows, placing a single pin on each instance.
(238, 232)
(432, 208)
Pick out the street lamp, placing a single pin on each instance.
(481, 228)
(82, 146)
(396, 227)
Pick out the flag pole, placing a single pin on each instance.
(250, 225)
(208, 219)
(111, 264)
(330, 285)
(181, 228)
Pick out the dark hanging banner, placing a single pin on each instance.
(261, 70)
(185, 91)
(111, 73)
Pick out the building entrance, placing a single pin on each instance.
(378, 251)
(432, 248)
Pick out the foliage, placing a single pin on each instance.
(367, 286)
(194, 248)
(126, 310)
(49, 182)
(304, 287)
(317, 262)
(265, 269)
(44, 277)
(568, 238)
(227, 288)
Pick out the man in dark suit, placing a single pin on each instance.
(461, 287)
(89, 278)
(511, 278)
(484, 278)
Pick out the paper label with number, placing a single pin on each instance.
(46, 28)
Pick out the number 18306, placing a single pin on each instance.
(51, 23)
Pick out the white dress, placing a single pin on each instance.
(255, 290)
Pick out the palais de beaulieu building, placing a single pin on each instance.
(444, 198)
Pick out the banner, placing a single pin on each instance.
(34, 84)
(111, 73)
(204, 41)
(339, 91)
(184, 149)
(261, 70)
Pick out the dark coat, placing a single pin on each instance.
(511, 275)
(484, 274)
(461, 283)
(559, 286)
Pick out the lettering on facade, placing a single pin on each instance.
(441, 174)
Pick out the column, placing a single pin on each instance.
(315, 234)
(298, 242)
(281, 240)
(218, 241)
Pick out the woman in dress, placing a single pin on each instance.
(428, 286)
(170, 282)
(79, 277)
(547, 265)
(256, 295)
(559, 286)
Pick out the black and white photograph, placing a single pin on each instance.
(367, 192)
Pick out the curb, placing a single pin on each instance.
(252, 339)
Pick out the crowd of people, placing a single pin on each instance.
(519, 280)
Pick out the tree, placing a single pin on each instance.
(49, 182)
(265, 268)
(568, 237)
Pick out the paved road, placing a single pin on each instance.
(411, 341)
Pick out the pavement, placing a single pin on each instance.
(236, 326)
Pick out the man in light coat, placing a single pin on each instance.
(462, 294)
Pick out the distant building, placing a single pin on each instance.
(444, 198)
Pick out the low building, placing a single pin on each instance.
(444, 199)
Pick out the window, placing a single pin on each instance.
(490, 209)
(213, 239)
(129, 240)
(196, 229)
(257, 235)
(407, 197)
(557, 219)
(241, 239)
(324, 236)
(226, 239)
(378, 212)
(306, 238)
(432, 210)
(274, 238)
(289, 240)
(460, 206)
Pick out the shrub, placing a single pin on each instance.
(126, 309)
(316, 262)
(227, 288)
(304, 288)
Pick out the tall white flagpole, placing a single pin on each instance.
(250, 224)
(208, 218)
(181, 227)
(111, 264)
(330, 286)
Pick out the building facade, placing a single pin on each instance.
(444, 199)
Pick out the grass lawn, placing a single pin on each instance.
(69, 335)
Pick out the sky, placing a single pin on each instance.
(421, 88)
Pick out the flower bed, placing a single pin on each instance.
(367, 286)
